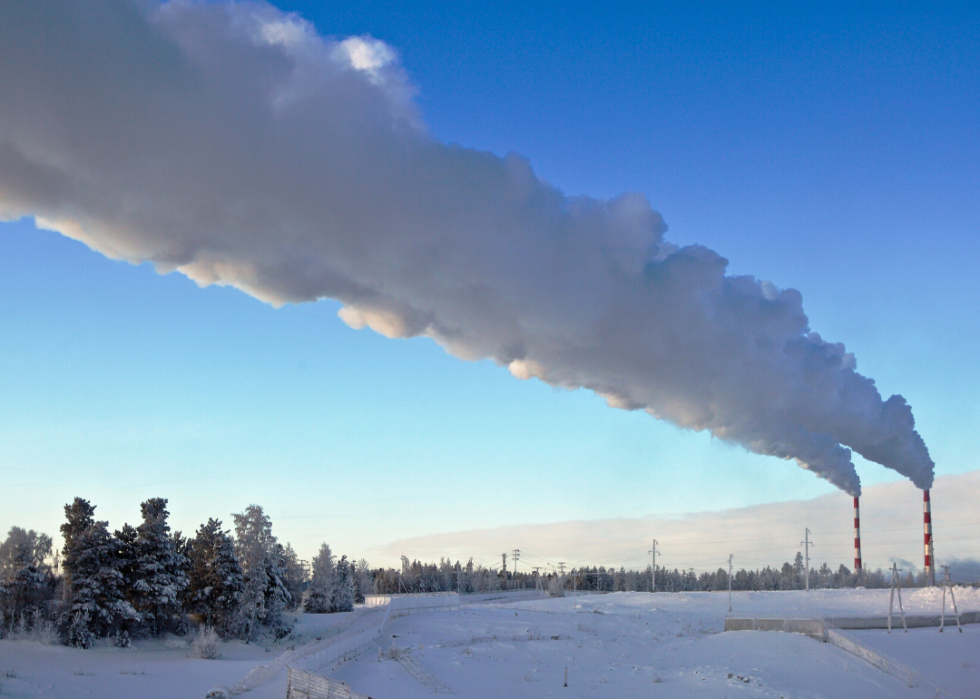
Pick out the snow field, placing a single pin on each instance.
(616, 645)
(668, 645)
(151, 669)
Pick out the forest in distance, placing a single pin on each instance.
(147, 580)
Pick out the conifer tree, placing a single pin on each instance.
(277, 597)
(97, 606)
(216, 583)
(252, 609)
(344, 593)
(126, 559)
(294, 576)
(265, 596)
(322, 582)
(160, 575)
(364, 580)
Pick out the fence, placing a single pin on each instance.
(306, 685)
(502, 596)
(346, 645)
(401, 605)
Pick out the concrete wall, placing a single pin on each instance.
(811, 627)
(913, 621)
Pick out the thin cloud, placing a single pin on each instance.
(760, 535)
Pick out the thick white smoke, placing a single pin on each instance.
(235, 145)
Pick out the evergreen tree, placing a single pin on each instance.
(364, 580)
(126, 559)
(294, 577)
(80, 515)
(277, 597)
(216, 583)
(159, 571)
(97, 606)
(265, 597)
(252, 609)
(344, 593)
(321, 583)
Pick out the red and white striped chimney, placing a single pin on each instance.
(927, 530)
(857, 536)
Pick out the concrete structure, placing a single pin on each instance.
(816, 628)
(810, 627)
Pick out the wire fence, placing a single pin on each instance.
(306, 685)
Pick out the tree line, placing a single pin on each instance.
(143, 581)
(445, 576)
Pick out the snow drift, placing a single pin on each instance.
(232, 143)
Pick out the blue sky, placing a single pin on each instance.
(835, 152)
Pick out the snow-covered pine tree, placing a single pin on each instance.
(160, 575)
(251, 612)
(321, 583)
(216, 582)
(97, 606)
(277, 597)
(182, 548)
(294, 576)
(364, 580)
(344, 593)
(254, 544)
(126, 558)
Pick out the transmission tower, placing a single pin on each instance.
(653, 568)
(807, 543)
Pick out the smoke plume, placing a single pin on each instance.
(232, 143)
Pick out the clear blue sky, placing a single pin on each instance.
(830, 149)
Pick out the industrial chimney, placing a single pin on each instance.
(930, 566)
(857, 536)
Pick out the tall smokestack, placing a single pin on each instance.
(927, 527)
(857, 536)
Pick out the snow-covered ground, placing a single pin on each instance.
(618, 645)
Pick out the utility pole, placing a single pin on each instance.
(948, 584)
(653, 567)
(896, 585)
(517, 557)
(503, 557)
(561, 568)
(730, 556)
(807, 543)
